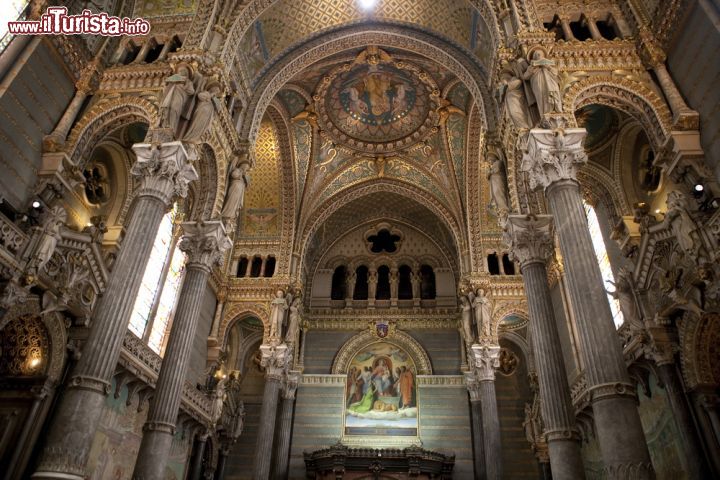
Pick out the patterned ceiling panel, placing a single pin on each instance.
(290, 21)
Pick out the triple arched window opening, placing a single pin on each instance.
(388, 283)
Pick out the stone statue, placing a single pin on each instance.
(498, 184)
(625, 294)
(532, 424)
(372, 284)
(416, 282)
(394, 283)
(293, 322)
(350, 284)
(49, 237)
(203, 114)
(219, 399)
(543, 77)
(277, 314)
(178, 90)
(466, 317)
(236, 190)
(683, 225)
(512, 94)
(483, 313)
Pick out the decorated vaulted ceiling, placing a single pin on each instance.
(377, 114)
(289, 22)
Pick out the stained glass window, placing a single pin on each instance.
(10, 11)
(603, 261)
(155, 303)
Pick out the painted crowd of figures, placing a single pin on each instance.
(366, 385)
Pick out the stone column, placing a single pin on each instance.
(531, 241)
(567, 31)
(196, 463)
(282, 445)
(350, 279)
(164, 173)
(274, 358)
(372, 286)
(205, 244)
(486, 360)
(222, 461)
(551, 162)
(592, 26)
(416, 281)
(473, 386)
(662, 352)
(675, 99)
(394, 286)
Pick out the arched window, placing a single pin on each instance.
(493, 264)
(427, 282)
(269, 267)
(242, 266)
(383, 285)
(156, 300)
(361, 283)
(603, 261)
(508, 265)
(337, 290)
(10, 11)
(404, 283)
(256, 266)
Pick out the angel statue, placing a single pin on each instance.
(483, 313)
(236, 191)
(277, 315)
(511, 93)
(543, 77)
(178, 90)
(466, 317)
(50, 236)
(293, 322)
(496, 178)
(203, 114)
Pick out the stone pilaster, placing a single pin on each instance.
(282, 444)
(531, 241)
(164, 173)
(274, 360)
(473, 387)
(204, 243)
(485, 362)
(552, 161)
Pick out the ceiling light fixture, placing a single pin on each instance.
(699, 187)
(36, 204)
(367, 4)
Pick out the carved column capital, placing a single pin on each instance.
(274, 358)
(486, 359)
(290, 384)
(662, 346)
(553, 155)
(164, 170)
(204, 242)
(530, 238)
(473, 386)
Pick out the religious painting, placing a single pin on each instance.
(381, 393)
(377, 102)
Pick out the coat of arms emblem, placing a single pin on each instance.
(382, 329)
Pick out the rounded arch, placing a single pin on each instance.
(239, 312)
(631, 97)
(337, 40)
(699, 337)
(398, 338)
(600, 188)
(209, 187)
(331, 205)
(102, 119)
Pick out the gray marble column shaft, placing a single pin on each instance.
(695, 464)
(551, 161)
(221, 463)
(197, 459)
(204, 243)
(78, 414)
(530, 238)
(478, 440)
(491, 430)
(273, 359)
(282, 444)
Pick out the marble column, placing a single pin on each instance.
(486, 361)
(221, 463)
(662, 353)
(567, 31)
(473, 387)
(675, 99)
(551, 161)
(350, 279)
(273, 360)
(531, 241)
(592, 26)
(197, 459)
(204, 243)
(164, 173)
(282, 444)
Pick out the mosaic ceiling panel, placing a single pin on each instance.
(152, 8)
(290, 21)
(260, 217)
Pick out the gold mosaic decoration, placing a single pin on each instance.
(261, 211)
(24, 347)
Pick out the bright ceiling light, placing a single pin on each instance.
(367, 4)
(36, 204)
(699, 187)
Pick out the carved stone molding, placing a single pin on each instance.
(553, 155)
(530, 238)
(399, 338)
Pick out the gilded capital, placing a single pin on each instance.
(164, 170)
(204, 242)
(530, 238)
(553, 155)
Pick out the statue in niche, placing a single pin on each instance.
(394, 283)
(416, 282)
(372, 284)
(203, 114)
(179, 90)
(49, 236)
(277, 315)
(97, 188)
(466, 317)
(236, 191)
(293, 322)
(511, 93)
(498, 183)
(683, 225)
(625, 294)
(351, 279)
(543, 77)
(483, 313)
(219, 399)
